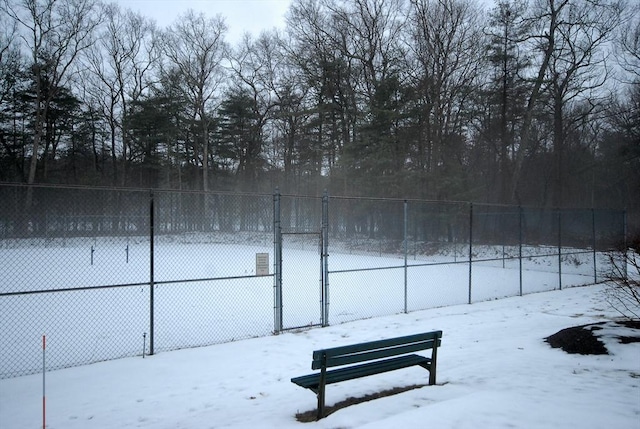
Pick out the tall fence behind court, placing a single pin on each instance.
(110, 273)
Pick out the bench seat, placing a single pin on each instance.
(312, 381)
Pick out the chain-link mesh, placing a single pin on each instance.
(69, 238)
(209, 312)
(81, 326)
(301, 223)
(609, 232)
(107, 273)
(366, 248)
(437, 254)
(429, 254)
(78, 265)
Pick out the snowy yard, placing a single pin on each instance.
(494, 371)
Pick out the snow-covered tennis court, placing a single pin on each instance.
(99, 323)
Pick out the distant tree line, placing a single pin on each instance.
(534, 103)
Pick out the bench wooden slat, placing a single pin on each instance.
(390, 342)
(345, 359)
(312, 381)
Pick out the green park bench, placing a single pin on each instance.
(378, 357)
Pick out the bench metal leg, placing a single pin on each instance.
(433, 365)
(320, 402)
(321, 388)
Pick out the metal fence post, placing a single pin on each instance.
(405, 249)
(520, 215)
(560, 248)
(470, 246)
(151, 272)
(325, 258)
(593, 244)
(277, 264)
(626, 248)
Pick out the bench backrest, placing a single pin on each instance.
(362, 352)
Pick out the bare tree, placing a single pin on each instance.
(195, 46)
(544, 22)
(288, 93)
(578, 69)
(370, 34)
(629, 45)
(9, 55)
(255, 65)
(447, 47)
(122, 63)
(504, 92)
(568, 38)
(350, 54)
(10, 69)
(330, 81)
(55, 33)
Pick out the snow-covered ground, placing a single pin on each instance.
(494, 371)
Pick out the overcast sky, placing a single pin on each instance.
(241, 16)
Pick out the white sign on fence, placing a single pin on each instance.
(262, 264)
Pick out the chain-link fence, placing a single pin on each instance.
(408, 255)
(110, 273)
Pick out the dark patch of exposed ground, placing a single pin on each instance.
(578, 339)
(633, 324)
(584, 339)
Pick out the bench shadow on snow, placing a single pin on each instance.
(311, 415)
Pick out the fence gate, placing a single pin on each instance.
(300, 288)
(302, 279)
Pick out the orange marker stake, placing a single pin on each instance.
(44, 400)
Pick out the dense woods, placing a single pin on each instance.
(521, 102)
